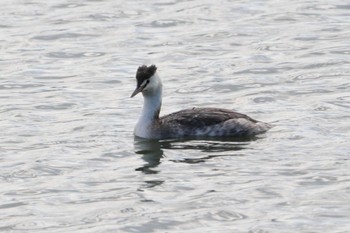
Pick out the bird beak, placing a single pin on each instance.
(137, 90)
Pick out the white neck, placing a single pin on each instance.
(151, 106)
(150, 112)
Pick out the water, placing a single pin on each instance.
(69, 162)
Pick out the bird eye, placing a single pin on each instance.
(147, 82)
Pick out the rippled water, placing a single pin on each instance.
(69, 161)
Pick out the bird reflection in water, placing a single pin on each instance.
(151, 153)
(152, 150)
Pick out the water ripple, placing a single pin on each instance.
(74, 55)
(58, 36)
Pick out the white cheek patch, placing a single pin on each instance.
(144, 83)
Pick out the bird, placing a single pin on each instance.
(192, 122)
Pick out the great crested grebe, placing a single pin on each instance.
(194, 122)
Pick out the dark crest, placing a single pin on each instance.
(145, 72)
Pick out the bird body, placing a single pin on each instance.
(194, 122)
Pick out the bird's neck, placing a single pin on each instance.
(151, 107)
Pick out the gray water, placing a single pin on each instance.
(69, 161)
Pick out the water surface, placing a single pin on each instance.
(69, 161)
